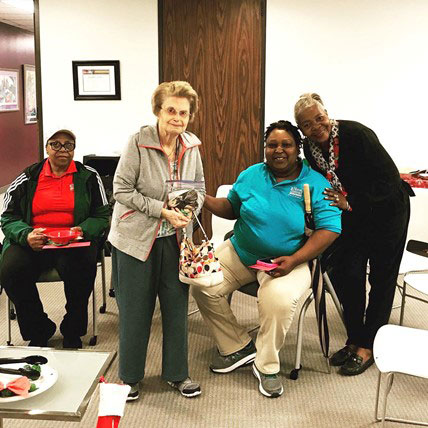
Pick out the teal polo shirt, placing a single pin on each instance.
(270, 215)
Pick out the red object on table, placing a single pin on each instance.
(416, 179)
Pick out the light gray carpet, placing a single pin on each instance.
(316, 399)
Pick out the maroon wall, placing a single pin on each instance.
(18, 142)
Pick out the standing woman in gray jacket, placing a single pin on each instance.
(145, 235)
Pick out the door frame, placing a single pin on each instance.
(36, 18)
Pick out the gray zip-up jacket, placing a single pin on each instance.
(140, 190)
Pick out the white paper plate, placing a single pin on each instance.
(47, 378)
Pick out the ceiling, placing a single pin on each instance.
(16, 17)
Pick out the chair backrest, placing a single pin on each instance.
(412, 262)
(417, 230)
(401, 349)
(418, 281)
(106, 167)
(221, 226)
(417, 224)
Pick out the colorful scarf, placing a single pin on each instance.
(333, 158)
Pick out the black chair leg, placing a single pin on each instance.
(103, 282)
(12, 313)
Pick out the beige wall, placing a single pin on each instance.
(98, 30)
(367, 59)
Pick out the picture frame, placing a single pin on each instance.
(9, 90)
(96, 80)
(30, 98)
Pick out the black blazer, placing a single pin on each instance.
(366, 171)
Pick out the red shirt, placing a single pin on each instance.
(53, 203)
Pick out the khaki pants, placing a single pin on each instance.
(277, 301)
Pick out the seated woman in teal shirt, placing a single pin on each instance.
(267, 202)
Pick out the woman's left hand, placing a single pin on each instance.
(175, 217)
(338, 199)
(286, 265)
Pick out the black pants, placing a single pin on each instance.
(77, 267)
(378, 239)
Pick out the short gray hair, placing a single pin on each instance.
(307, 100)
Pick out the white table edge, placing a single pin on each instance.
(62, 416)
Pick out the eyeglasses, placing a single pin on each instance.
(57, 146)
(171, 111)
(309, 124)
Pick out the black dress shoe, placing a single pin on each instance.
(340, 357)
(42, 341)
(72, 343)
(355, 366)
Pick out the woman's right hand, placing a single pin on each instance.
(176, 218)
(37, 239)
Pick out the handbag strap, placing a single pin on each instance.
(200, 225)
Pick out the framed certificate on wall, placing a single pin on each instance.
(96, 80)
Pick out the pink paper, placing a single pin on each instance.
(71, 245)
(261, 267)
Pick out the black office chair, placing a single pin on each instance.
(52, 275)
(106, 167)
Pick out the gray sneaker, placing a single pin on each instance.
(269, 384)
(187, 387)
(228, 363)
(134, 392)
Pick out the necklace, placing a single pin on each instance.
(172, 151)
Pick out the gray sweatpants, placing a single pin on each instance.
(137, 284)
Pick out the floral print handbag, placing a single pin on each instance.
(198, 264)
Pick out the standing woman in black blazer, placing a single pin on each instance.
(375, 215)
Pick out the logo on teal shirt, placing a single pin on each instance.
(296, 192)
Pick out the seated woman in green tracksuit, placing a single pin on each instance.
(55, 193)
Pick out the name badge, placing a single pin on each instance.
(296, 192)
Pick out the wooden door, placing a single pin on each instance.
(218, 46)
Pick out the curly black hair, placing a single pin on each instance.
(286, 126)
